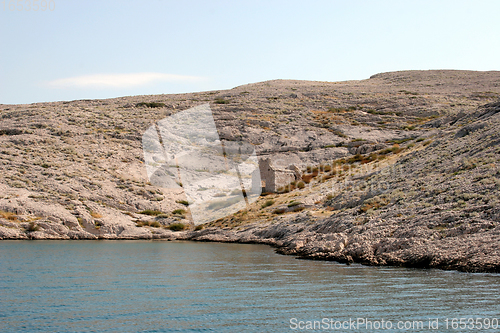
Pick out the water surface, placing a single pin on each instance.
(152, 286)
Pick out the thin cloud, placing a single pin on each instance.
(126, 80)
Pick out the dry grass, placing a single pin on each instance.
(8, 215)
(374, 203)
(95, 215)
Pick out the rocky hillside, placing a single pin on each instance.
(399, 169)
(434, 204)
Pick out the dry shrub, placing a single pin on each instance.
(95, 215)
(8, 215)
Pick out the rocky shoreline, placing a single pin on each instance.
(299, 241)
(402, 169)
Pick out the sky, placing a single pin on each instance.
(92, 49)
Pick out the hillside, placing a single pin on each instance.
(399, 169)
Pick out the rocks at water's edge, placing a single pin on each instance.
(404, 169)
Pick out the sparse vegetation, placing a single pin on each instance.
(373, 203)
(150, 104)
(177, 226)
(154, 224)
(8, 215)
(95, 215)
(151, 212)
(179, 212)
(221, 101)
(32, 227)
(267, 203)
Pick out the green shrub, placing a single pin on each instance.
(284, 189)
(400, 141)
(394, 149)
(267, 203)
(177, 226)
(183, 202)
(301, 184)
(371, 111)
(339, 133)
(355, 158)
(150, 104)
(32, 227)
(199, 227)
(151, 212)
(179, 212)
(294, 203)
(221, 101)
(154, 224)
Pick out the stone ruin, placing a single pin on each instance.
(272, 178)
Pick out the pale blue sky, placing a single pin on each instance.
(107, 48)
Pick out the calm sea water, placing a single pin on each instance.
(145, 286)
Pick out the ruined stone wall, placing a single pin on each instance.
(273, 178)
(282, 178)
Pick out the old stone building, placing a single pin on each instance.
(272, 178)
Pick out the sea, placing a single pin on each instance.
(162, 286)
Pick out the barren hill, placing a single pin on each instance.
(399, 169)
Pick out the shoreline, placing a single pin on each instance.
(418, 257)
